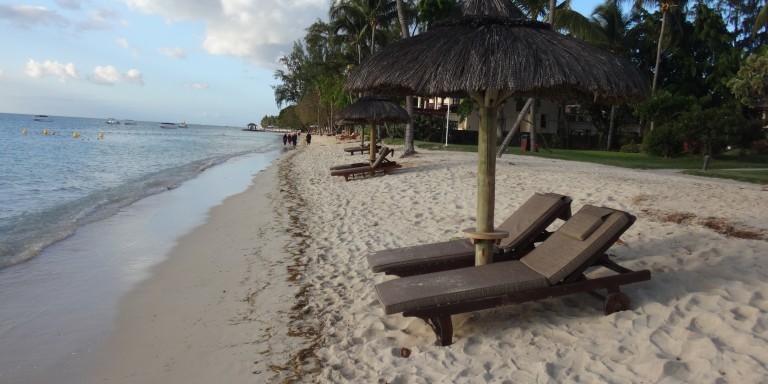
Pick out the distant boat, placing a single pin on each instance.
(42, 118)
(168, 125)
(112, 121)
(183, 124)
(129, 122)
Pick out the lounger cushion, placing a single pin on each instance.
(562, 254)
(420, 255)
(458, 285)
(580, 227)
(529, 218)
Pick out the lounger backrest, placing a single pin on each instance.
(584, 237)
(533, 217)
(382, 154)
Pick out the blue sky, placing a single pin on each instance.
(199, 61)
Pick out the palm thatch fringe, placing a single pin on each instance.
(478, 53)
(373, 109)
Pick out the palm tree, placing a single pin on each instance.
(614, 27)
(363, 16)
(410, 148)
(762, 19)
(664, 6)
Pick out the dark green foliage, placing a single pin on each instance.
(664, 141)
(631, 147)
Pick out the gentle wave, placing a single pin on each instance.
(51, 186)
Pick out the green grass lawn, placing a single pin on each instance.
(751, 168)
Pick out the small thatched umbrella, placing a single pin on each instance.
(374, 110)
(491, 56)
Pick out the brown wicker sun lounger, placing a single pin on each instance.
(554, 268)
(365, 148)
(526, 226)
(381, 165)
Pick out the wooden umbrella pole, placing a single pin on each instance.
(372, 144)
(486, 181)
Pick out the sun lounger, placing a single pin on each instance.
(343, 137)
(526, 226)
(362, 149)
(380, 165)
(556, 267)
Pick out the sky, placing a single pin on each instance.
(200, 61)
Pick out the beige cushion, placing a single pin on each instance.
(579, 227)
(563, 253)
(421, 255)
(458, 285)
(529, 218)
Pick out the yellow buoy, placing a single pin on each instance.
(24, 132)
(45, 132)
(101, 135)
(76, 135)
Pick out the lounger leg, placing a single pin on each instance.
(443, 328)
(616, 301)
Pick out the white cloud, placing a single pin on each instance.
(27, 16)
(69, 4)
(109, 75)
(98, 21)
(176, 53)
(133, 76)
(259, 31)
(125, 44)
(51, 68)
(198, 86)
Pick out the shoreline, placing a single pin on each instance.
(214, 307)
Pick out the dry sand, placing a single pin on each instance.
(236, 296)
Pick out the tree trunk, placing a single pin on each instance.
(501, 121)
(658, 52)
(410, 148)
(515, 127)
(533, 129)
(610, 128)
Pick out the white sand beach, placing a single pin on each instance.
(279, 288)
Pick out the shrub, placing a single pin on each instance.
(664, 141)
(631, 147)
(760, 147)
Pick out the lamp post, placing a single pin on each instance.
(447, 120)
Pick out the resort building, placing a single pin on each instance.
(558, 124)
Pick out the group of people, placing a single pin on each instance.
(294, 137)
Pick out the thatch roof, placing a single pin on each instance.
(373, 109)
(478, 53)
(491, 7)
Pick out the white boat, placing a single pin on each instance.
(168, 126)
(112, 121)
(183, 124)
(42, 118)
(129, 122)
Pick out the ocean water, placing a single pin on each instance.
(83, 220)
(51, 184)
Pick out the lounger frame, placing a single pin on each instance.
(381, 165)
(439, 317)
(500, 254)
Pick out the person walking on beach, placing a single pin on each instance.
(309, 138)
(285, 139)
(294, 138)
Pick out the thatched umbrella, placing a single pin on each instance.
(374, 110)
(490, 56)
